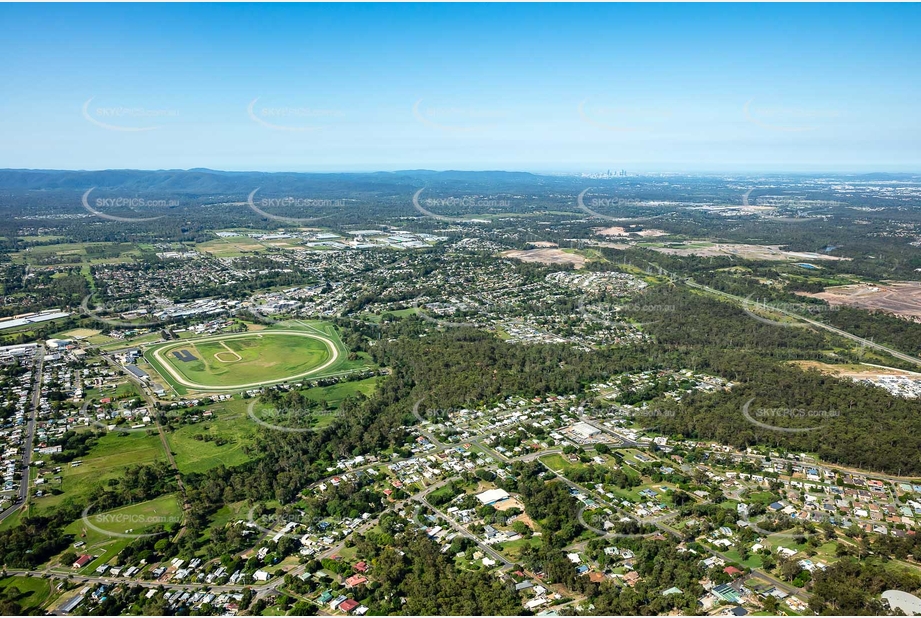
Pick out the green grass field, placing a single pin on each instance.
(108, 459)
(337, 392)
(29, 592)
(12, 521)
(138, 518)
(248, 360)
(230, 424)
(134, 518)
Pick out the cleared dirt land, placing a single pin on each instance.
(547, 256)
(748, 252)
(854, 371)
(898, 297)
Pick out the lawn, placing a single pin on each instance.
(232, 425)
(334, 394)
(32, 591)
(752, 562)
(774, 541)
(559, 463)
(402, 313)
(229, 424)
(12, 521)
(134, 518)
(224, 515)
(77, 333)
(514, 549)
(762, 497)
(235, 246)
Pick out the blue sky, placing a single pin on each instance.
(545, 88)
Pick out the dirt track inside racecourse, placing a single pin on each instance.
(162, 361)
(898, 297)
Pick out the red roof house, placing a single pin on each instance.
(82, 561)
(355, 580)
(348, 605)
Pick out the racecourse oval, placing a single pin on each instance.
(215, 359)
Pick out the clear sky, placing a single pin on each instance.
(543, 88)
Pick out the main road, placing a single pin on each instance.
(29, 435)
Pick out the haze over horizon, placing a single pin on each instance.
(548, 89)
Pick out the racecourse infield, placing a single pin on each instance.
(244, 360)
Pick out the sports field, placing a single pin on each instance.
(246, 360)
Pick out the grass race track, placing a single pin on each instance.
(247, 360)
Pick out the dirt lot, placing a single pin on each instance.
(547, 256)
(620, 231)
(611, 231)
(898, 297)
(749, 252)
(862, 371)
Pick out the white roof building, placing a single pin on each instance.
(585, 430)
(492, 495)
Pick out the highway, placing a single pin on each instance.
(837, 331)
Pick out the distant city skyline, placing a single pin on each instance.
(583, 88)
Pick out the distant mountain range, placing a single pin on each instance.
(206, 181)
